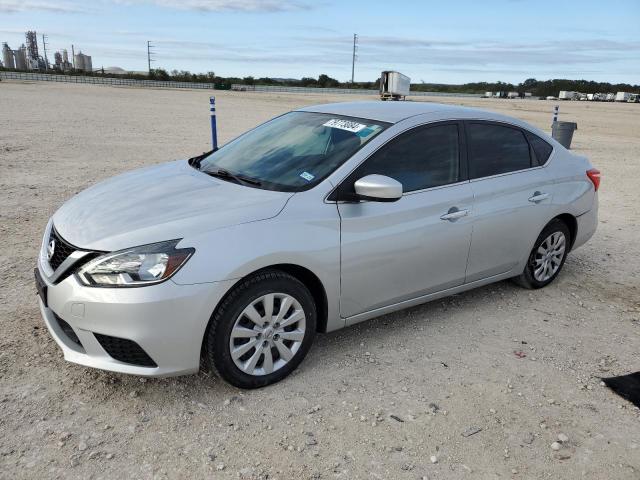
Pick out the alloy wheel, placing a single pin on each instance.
(267, 334)
(548, 256)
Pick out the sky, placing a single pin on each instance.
(434, 42)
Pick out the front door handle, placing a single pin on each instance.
(538, 197)
(454, 214)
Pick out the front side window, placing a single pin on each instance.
(293, 152)
(495, 149)
(425, 157)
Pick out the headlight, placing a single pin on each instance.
(136, 266)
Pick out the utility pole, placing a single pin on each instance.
(353, 59)
(44, 47)
(149, 53)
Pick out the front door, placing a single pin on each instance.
(391, 252)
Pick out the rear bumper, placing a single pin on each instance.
(587, 225)
(167, 321)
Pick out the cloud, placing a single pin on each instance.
(17, 6)
(485, 54)
(242, 6)
(333, 52)
(247, 6)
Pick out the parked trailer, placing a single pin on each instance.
(567, 95)
(513, 95)
(394, 85)
(622, 96)
(634, 98)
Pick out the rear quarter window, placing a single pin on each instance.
(541, 150)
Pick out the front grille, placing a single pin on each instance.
(68, 331)
(61, 249)
(124, 350)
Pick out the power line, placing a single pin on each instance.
(149, 54)
(353, 59)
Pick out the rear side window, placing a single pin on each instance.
(495, 149)
(422, 158)
(541, 149)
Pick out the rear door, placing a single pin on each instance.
(396, 251)
(512, 198)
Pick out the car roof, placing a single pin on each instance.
(393, 112)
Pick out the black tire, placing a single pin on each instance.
(223, 319)
(527, 279)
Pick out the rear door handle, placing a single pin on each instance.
(538, 197)
(454, 214)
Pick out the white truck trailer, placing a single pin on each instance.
(622, 96)
(394, 86)
(568, 95)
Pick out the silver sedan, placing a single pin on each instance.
(316, 220)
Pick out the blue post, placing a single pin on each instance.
(214, 129)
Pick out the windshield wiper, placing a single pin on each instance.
(195, 161)
(225, 174)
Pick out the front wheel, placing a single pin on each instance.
(262, 330)
(547, 256)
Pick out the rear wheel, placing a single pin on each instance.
(547, 256)
(262, 330)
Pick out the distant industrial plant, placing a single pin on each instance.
(27, 57)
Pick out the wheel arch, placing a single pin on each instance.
(304, 275)
(315, 286)
(572, 224)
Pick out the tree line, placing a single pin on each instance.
(539, 88)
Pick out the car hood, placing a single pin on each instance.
(158, 203)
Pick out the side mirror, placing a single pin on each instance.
(378, 188)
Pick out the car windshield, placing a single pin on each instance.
(292, 152)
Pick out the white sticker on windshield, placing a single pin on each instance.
(348, 125)
(307, 176)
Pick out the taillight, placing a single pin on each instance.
(594, 176)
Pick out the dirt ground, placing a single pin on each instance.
(398, 397)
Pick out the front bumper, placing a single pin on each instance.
(167, 321)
